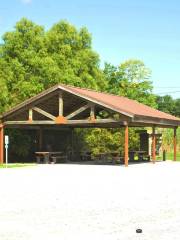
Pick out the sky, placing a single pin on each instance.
(121, 30)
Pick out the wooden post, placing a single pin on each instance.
(60, 104)
(153, 145)
(30, 115)
(126, 146)
(60, 119)
(92, 113)
(1, 143)
(175, 142)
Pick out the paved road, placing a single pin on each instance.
(90, 202)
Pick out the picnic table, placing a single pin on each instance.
(138, 153)
(46, 156)
(111, 157)
(85, 156)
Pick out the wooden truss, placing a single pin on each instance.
(68, 119)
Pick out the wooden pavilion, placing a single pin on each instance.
(65, 106)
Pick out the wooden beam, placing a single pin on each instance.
(30, 115)
(1, 143)
(69, 122)
(153, 145)
(154, 121)
(38, 122)
(60, 103)
(78, 111)
(44, 113)
(92, 113)
(126, 145)
(41, 97)
(175, 143)
(79, 121)
(60, 119)
(95, 101)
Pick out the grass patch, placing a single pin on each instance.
(169, 156)
(16, 165)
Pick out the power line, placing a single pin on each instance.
(169, 92)
(167, 87)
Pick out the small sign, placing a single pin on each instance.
(6, 139)
(6, 147)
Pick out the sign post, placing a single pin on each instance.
(6, 147)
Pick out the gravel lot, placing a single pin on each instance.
(58, 202)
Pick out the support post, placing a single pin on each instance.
(153, 145)
(1, 143)
(175, 143)
(60, 104)
(126, 146)
(30, 115)
(92, 113)
(60, 119)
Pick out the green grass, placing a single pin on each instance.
(169, 156)
(16, 165)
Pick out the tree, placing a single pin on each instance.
(169, 105)
(166, 104)
(130, 79)
(100, 140)
(172, 106)
(4, 74)
(32, 60)
(177, 107)
(71, 50)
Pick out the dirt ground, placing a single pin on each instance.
(71, 201)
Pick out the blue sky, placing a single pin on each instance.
(121, 29)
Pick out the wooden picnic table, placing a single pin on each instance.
(139, 153)
(85, 155)
(46, 156)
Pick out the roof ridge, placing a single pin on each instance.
(111, 94)
(93, 90)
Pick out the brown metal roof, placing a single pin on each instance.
(123, 105)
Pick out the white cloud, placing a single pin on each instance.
(26, 1)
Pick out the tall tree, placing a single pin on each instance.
(177, 107)
(166, 104)
(130, 79)
(169, 105)
(35, 60)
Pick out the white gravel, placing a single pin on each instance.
(58, 202)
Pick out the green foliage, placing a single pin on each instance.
(15, 165)
(20, 143)
(172, 106)
(100, 140)
(103, 140)
(167, 139)
(32, 60)
(169, 105)
(130, 79)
